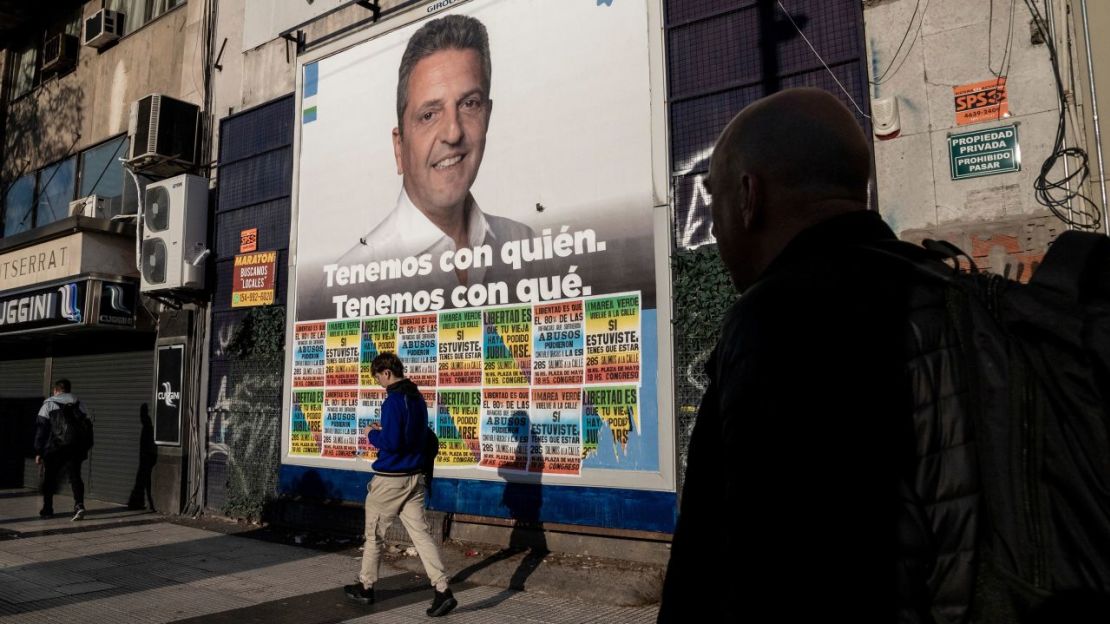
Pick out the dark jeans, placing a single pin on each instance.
(52, 465)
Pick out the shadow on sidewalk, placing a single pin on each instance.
(524, 501)
(18, 493)
(330, 605)
(135, 570)
(89, 514)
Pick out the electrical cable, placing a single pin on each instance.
(826, 65)
(920, 23)
(1007, 52)
(196, 496)
(194, 503)
(138, 216)
(1004, 66)
(909, 27)
(1056, 195)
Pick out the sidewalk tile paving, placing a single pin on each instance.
(125, 566)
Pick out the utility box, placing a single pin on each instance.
(175, 226)
(102, 28)
(163, 133)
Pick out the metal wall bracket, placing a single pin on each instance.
(371, 5)
(297, 34)
(297, 37)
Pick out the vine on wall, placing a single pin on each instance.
(256, 350)
(702, 295)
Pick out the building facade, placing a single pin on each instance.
(561, 356)
(70, 279)
(984, 103)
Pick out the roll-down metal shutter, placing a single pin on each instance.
(21, 383)
(112, 387)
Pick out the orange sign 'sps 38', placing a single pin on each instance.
(981, 101)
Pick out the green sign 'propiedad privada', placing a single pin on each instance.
(984, 152)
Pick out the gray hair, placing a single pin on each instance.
(454, 32)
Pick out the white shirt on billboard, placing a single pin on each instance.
(406, 231)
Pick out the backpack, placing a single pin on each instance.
(431, 450)
(69, 429)
(1038, 358)
(429, 453)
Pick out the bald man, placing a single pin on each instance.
(807, 495)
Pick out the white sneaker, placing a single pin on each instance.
(78, 514)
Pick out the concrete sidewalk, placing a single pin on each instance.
(125, 566)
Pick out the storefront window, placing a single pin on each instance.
(18, 198)
(102, 174)
(55, 191)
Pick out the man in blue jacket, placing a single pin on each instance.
(397, 488)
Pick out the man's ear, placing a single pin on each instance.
(397, 150)
(750, 204)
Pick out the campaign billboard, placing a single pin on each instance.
(475, 193)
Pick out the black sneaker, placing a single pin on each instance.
(78, 513)
(442, 603)
(360, 594)
(46, 513)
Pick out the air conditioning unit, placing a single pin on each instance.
(91, 206)
(59, 53)
(175, 224)
(163, 133)
(102, 28)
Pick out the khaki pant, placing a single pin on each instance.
(389, 497)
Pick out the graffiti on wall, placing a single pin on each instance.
(244, 434)
(693, 223)
(1003, 254)
(244, 423)
(1011, 247)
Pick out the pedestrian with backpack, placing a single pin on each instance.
(814, 465)
(884, 439)
(398, 487)
(63, 437)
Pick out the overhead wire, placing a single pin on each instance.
(1007, 52)
(1057, 195)
(887, 74)
(819, 58)
(1004, 66)
(197, 341)
(909, 28)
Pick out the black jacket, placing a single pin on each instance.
(830, 472)
(42, 441)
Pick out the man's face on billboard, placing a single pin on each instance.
(443, 134)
